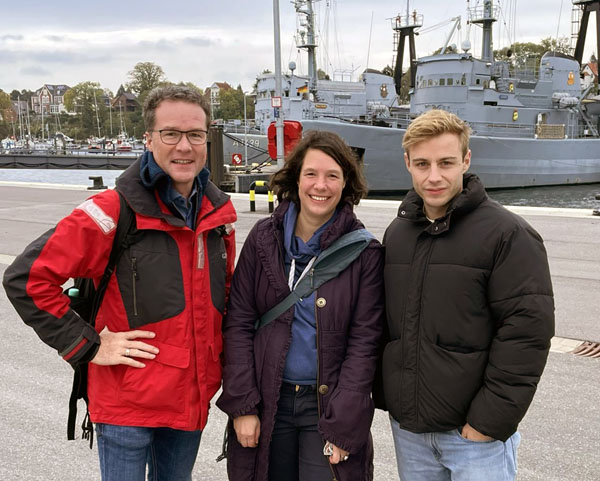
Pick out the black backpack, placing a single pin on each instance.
(86, 301)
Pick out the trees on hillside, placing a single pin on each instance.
(7, 114)
(231, 105)
(522, 55)
(144, 77)
(87, 100)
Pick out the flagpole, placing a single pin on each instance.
(278, 83)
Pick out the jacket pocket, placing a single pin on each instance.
(448, 382)
(161, 385)
(150, 280)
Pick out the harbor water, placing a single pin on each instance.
(572, 196)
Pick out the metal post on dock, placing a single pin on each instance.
(271, 199)
(278, 85)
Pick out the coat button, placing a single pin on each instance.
(323, 389)
(321, 302)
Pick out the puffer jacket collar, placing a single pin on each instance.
(472, 195)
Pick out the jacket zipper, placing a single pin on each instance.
(319, 369)
(134, 279)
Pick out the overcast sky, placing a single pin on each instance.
(70, 41)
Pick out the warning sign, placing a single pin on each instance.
(236, 159)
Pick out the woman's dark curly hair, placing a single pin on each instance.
(284, 182)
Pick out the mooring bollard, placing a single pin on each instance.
(260, 183)
(98, 182)
(596, 211)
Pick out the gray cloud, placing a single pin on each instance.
(55, 38)
(67, 57)
(34, 70)
(198, 41)
(11, 37)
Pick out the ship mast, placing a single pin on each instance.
(587, 6)
(405, 26)
(486, 16)
(306, 38)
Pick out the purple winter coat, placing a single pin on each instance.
(349, 313)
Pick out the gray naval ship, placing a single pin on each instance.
(527, 130)
(307, 97)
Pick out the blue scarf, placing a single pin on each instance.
(153, 177)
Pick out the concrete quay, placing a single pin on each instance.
(560, 433)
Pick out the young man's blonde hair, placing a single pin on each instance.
(433, 123)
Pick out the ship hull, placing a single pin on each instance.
(500, 162)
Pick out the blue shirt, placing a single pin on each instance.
(301, 361)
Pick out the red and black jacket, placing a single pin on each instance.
(172, 280)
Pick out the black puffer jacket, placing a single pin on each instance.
(470, 312)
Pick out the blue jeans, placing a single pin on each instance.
(447, 456)
(126, 450)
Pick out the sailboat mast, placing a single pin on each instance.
(20, 117)
(97, 118)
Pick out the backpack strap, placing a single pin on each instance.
(125, 225)
(328, 265)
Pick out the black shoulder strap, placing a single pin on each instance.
(328, 265)
(125, 225)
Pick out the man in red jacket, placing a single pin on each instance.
(154, 355)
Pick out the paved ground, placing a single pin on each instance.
(561, 432)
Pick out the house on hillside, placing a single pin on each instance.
(126, 101)
(49, 99)
(590, 74)
(212, 94)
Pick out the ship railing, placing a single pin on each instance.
(483, 12)
(413, 19)
(497, 129)
(537, 131)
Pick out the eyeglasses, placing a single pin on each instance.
(172, 136)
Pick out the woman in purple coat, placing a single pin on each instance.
(299, 389)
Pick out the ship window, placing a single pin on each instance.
(463, 80)
(450, 81)
(429, 82)
(477, 81)
(442, 82)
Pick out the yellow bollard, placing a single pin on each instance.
(271, 201)
(252, 198)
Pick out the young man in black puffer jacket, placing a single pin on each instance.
(470, 312)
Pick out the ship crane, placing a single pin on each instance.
(455, 27)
